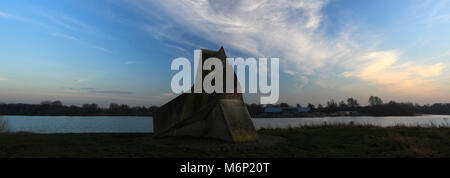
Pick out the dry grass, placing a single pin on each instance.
(330, 140)
(410, 143)
(4, 125)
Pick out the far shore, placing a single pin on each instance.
(325, 115)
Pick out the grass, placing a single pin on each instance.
(4, 125)
(307, 141)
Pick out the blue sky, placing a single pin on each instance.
(120, 51)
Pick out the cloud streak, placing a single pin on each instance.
(94, 90)
(60, 20)
(81, 42)
(80, 80)
(67, 22)
(117, 92)
(20, 18)
(129, 62)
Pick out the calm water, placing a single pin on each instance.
(65, 124)
(425, 121)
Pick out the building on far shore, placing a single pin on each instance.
(286, 110)
(347, 113)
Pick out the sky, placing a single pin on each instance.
(104, 51)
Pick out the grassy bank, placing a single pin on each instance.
(323, 141)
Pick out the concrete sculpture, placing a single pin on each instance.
(221, 116)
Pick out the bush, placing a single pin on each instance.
(4, 126)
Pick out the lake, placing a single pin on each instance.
(126, 124)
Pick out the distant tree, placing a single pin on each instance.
(90, 106)
(255, 109)
(298, 105)
(57, 103)
(311, 107)
(375, 101)
(124, 108)
(320, 107)
(113, 106)
(284, 105)
(153, 109)
(46, 102)
(352, 103)
(56, 108)
(332, 105)
(342, 105)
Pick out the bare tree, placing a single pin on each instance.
(352, 103)
(375, 101)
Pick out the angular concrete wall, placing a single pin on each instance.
(218, 115)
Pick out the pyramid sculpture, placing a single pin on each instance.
(222, 116)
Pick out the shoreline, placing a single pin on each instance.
(253, 117)
(318, 116)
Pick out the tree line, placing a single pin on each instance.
(56, 108)
(376, 107)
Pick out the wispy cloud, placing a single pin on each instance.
(385, 69)
(81, 42)
(439, 10)
(129, 62)
(67, 37)
(69, 23)
(7, 15)
(179, 49)
(3, 79)
(98, 91)
(118, 92)
(290, 72)
(292, 31)
(81, 80)
(286, 29)
(21, 19)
